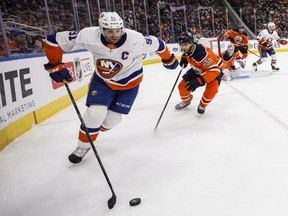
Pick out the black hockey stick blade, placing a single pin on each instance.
(112, 201)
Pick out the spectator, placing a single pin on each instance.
(38, 44)
(17, 43)
(2, 48)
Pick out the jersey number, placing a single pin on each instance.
(148, 40)
(207, 63)
(73, 35)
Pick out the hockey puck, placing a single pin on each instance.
(135, 202)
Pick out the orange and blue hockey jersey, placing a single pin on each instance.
(205, 62)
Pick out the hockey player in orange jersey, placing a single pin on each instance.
(205, 71)
(240, 40)
(229, 57)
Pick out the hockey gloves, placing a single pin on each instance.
(183, 61)
(245, 47)
(282, 41)
(193, 84)
(58, 72)
(171, 63)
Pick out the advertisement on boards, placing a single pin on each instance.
(26, 86)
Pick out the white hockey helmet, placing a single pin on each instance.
(271, 26)
(110, 20)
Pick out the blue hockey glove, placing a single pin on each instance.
(58, 72)
(171, 63)
(193, 84)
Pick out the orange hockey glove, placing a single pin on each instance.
(282, 41)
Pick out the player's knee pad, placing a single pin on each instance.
(273, 57)
(95, 115)
(112, 119)
(263, 59)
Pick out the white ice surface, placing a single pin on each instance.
(233, 161)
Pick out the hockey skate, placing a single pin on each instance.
(275, 68)
(184, 104)
(201, 110)
(78, 154)
(254, 67)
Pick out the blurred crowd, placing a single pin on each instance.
(138, 14)
(264, 11)
(17, 43)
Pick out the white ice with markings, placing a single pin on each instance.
(233, 161)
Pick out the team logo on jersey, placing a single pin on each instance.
(108, 68)
(269, 41)
(238, 39)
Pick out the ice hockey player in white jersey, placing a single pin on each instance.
(265, 46)
(117, 55)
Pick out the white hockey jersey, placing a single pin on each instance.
(265, 35)
(120, 64)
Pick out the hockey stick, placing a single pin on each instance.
(219, 44)
(168, 99)
(112, 200)
(253, 53)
